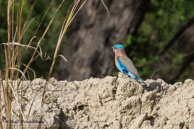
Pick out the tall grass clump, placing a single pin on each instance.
(16, 49)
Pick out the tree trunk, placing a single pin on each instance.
(92, 34)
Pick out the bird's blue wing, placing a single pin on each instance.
(125, 65)
(129, 65)
(123, 68)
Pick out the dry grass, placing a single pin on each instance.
(14, 57)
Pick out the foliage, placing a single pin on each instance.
(34, 20)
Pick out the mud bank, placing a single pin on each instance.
(108, 103)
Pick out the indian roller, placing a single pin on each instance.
(124, 64)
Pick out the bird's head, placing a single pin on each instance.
(118, 48)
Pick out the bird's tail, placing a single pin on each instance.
(142, 81)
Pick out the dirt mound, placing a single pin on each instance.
(110, 103)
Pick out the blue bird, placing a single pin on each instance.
(124, 64)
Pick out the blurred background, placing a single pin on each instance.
(158, 36)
